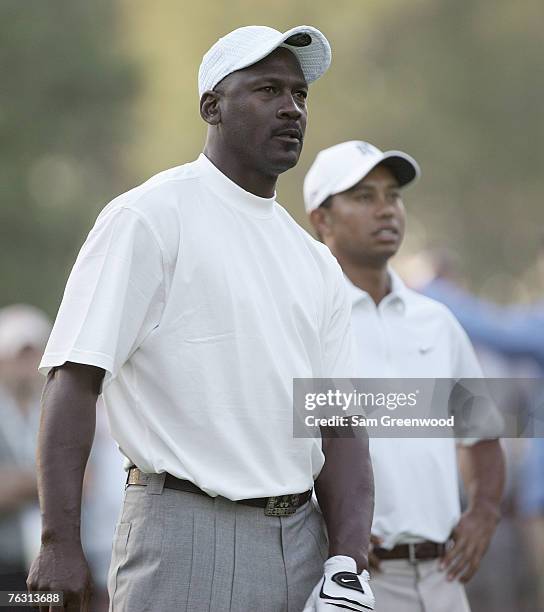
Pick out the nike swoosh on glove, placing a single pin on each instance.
(341, 588)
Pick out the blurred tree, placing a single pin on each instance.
(65, 93)
(463, 90)
(456, 83)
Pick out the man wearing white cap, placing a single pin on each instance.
(352, 195)
(23, 334)
(193, 304)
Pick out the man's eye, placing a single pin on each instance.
(268, 89)
(364, 197)
(302, 95)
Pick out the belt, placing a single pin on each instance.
(415, 552)
(280, 505)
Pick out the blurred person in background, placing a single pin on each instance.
(515, 332)
(423, 548)
(23, 335)
(24, 331)
(509, 340)
(531, 509)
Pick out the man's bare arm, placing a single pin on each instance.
(65, 438)
(483, 472)
(345, 491)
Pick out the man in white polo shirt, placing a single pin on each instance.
(194, 302)
(352, 194)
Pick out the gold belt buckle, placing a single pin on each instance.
(282, 505)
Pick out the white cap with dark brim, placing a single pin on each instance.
(340, 167)
(246, 46)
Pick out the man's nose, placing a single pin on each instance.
(288, 108)
(385, 208)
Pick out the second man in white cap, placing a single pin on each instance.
(424, 549)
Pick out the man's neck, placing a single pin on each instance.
(375, 281)
(248, 179)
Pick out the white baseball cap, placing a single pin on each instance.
(338, 168)
(22, 325)
(248, 45)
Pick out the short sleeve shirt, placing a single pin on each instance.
(202, 302)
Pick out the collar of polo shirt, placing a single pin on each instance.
(395, 296)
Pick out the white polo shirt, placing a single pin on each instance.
(202, 302)
(411, 336)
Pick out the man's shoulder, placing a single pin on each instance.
(162, 190)
(432, 311)
(319, 251)
(155, 204)
(427, 305)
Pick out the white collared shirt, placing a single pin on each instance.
(411, 336)
(202, 302)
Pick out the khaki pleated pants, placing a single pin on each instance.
(402, 586)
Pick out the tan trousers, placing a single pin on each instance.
(402, 586)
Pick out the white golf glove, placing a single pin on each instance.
(341, 588)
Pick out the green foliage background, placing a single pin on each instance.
(98, 96)
(65, 90)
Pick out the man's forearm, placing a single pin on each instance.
(345, 491)
(483, 471)
(66, 434)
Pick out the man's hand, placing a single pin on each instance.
(341, 588)
(373, 561)
(62, 567)
(482, 468)
(471, 538)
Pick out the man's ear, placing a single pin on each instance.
(321, 220)
(210, 109)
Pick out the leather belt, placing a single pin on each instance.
(421, 551)
(281, 505)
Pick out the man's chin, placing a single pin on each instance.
(385, 252)
(285, 161)
(374, 257)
